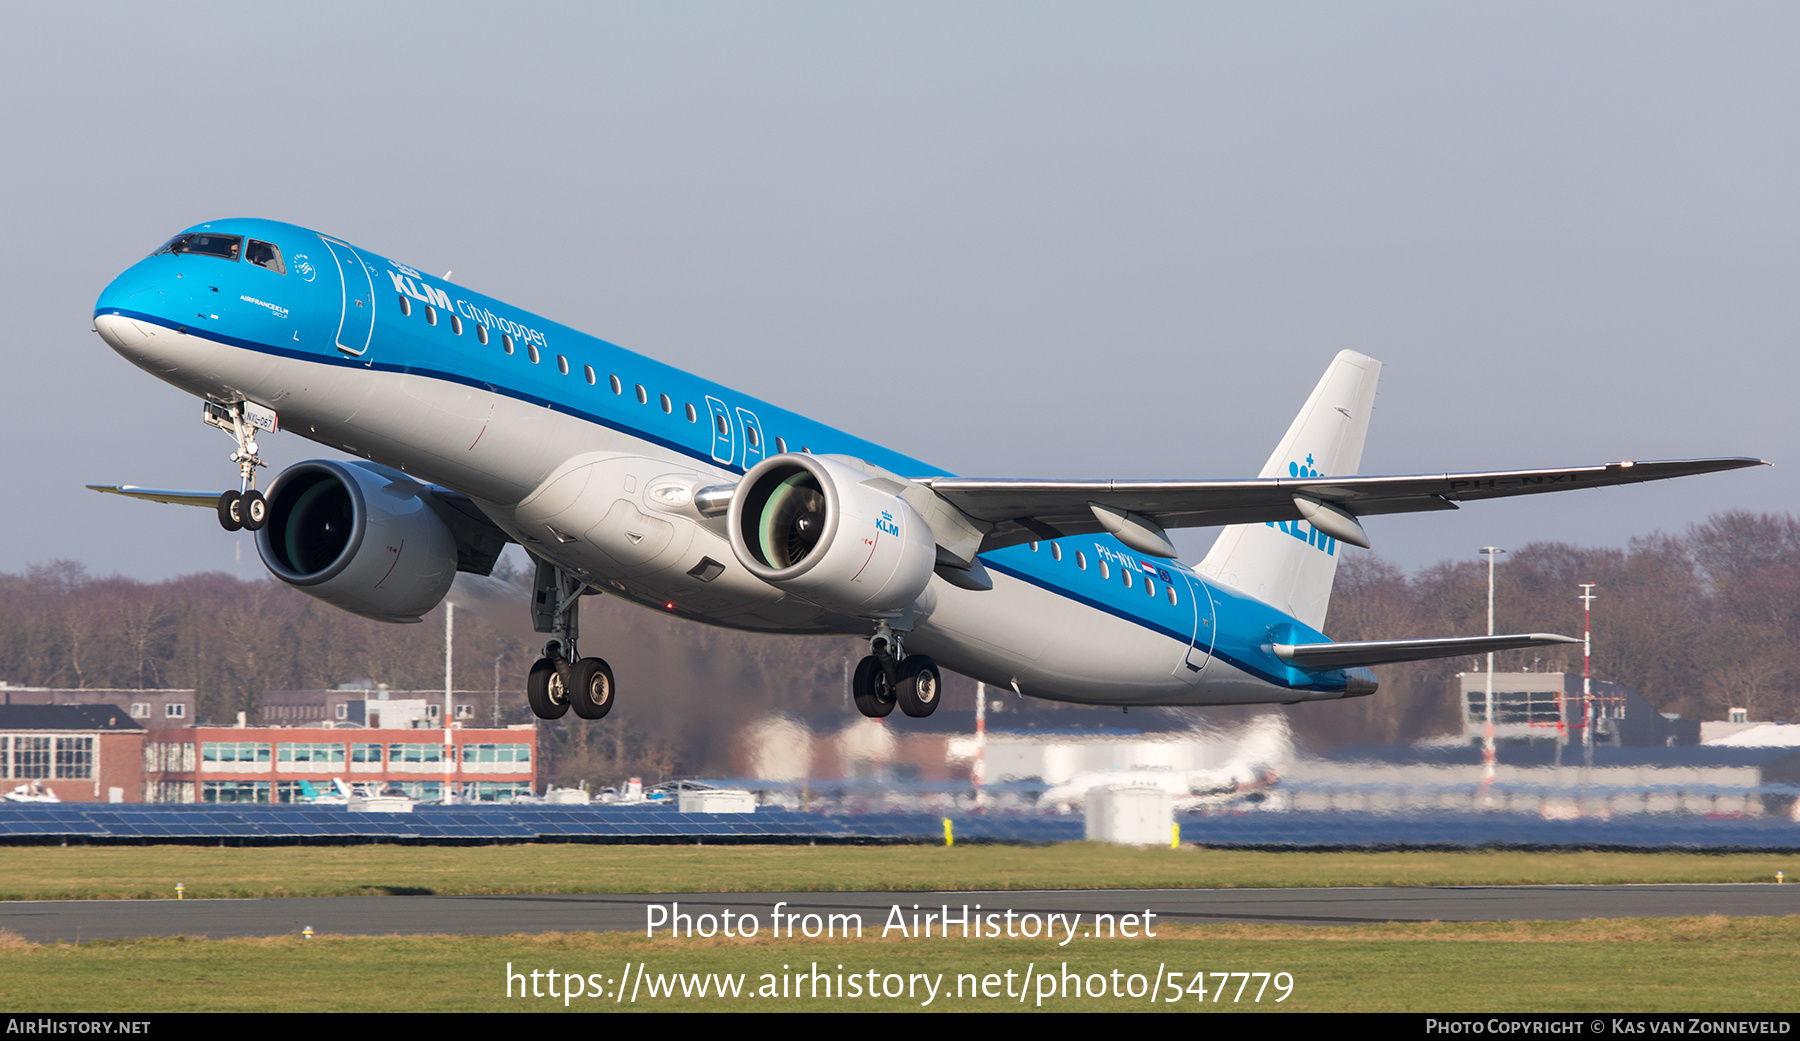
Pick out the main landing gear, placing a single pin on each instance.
(561, 680)
(889, 676)
(245, 508)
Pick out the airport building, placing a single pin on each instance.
(151, 708)
(74, 753)
(289, 764)
(1549, 708)
(374, 705)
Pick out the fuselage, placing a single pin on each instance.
(570, 444)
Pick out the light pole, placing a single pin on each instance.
(1587, 674)
(1488, 756)
(449, 739)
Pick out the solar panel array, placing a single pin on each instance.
(113, 822)
(194, 822)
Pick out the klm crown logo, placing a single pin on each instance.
(1300, 529)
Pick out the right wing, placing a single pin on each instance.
(1026, 510)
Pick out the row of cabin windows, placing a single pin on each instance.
(1081, 562)
(587, 371)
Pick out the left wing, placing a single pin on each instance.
(1136, 511)
(209, 500)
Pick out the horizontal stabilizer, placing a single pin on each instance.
(210, 500)
(1386, 652)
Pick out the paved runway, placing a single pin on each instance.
(75, 920)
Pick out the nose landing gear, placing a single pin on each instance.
(244, 508)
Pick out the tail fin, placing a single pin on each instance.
(1289, 564)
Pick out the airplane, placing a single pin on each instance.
(476, 424)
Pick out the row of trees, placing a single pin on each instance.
(1696, 622)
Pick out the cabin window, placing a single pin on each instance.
(1171, 592)
(1149, 587)
(1055, 551)
(1127, 573)
(693, 416)
(430, 315)
(506, 342)
(780, 446)
(667, 405)
(562, 365)
(456, 325)
(588, 371)
(202, 244)
(1033, 546)
(481, 334)
(265, 254)
(1081, 560)
(755, 438)
(618, 388)
(720, 424)
(405, 305)
(1105, 571)
(532, 351)
(643, 395)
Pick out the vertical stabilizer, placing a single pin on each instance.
(1289, 564)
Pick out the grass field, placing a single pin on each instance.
(1629, 965)
(112, 872)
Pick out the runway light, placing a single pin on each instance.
(670, 605)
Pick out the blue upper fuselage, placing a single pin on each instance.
(289, 292)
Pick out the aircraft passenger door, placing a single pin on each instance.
(356, 327)
(1206, 625)
(724, 441)
(753, 439)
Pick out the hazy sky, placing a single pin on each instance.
(1012, 239)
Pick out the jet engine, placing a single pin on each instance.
(358, 539)
(832, 534)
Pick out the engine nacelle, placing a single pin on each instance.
(812, 527)
(357, 539)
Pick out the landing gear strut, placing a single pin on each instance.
(889, 676)
(562, 680)
(244, 508)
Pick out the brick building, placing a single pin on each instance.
(79, 753)
(280, 764)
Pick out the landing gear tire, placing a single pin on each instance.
(874, 695)
(231, 511)
(591, 688)
(920, 688)
(547, 691)
(254, 509)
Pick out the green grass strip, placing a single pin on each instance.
(1623, 965)
(131, 872)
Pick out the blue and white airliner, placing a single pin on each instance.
(476, 424)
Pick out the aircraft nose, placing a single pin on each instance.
(136, 341)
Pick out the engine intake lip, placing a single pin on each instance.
(298, 488)
(755, 492)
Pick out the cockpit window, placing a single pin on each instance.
(265, 254)
(205, 244)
